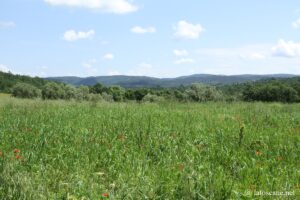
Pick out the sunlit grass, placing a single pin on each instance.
(147, 151)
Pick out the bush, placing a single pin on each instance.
(82, 93)
(53, 91)
(95, 98)
(107, 97)
(70, 92)
(201, 93)
(117, 93)
(270, 92)
(24, 90)
(152, 98)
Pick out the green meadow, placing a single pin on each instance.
(85, 150)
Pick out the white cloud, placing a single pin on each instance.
(253, 56)
(144, 69)
(111, 6)
(288, 49)
(257, 56)
(7, 24)
(113, 73)
(72, 35)
(184, 61)
(187, 30)
(141, 30)
(44, 67)
(109, 56)
(89, 66)
(4, 68)
(180, 53)
(296, 24)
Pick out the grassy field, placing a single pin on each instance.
(68, 150)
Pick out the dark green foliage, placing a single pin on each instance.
(8, 81)
(117, 92)
(97, 89)
(53, 91)
(24, 90)
(270, 91)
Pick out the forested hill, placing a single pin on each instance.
(150, 82)
(8, 80)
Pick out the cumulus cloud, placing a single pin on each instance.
(180, 53)
(111, 6)
(72, 35)
(113, 73)
(141, 30)
(143, 69)
(4, 68)
(186, 30)
(89, 66)
(89, 63)
(296, 24)
(184, 61)
(287, 49)
(7, 24)
(253, 56)
(109, 56)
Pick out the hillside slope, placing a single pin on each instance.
(151, 82)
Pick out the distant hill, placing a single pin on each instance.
(151, 82)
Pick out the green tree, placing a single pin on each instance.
(24, 90)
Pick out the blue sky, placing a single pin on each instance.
(149, 37)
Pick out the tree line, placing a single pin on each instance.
(271, 90)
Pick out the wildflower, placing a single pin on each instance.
(18, 157)
(16, 151)
(100, 173)
(121, 137)
(279, 158)
(181, 167)
(258, 153)
(252, 187)
(105, 195)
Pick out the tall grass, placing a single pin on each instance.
(68, 150)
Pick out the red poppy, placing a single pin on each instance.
(105, 195)
(16, 151)
(258, 153)
(18, 156)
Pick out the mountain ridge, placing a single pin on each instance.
(151, 82)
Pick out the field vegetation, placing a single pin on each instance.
(167, 150)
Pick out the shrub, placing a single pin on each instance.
(53, 91)
(82, 93)
(270, 92)
(117, 93)
(152, 98)
(24, 90)
(201, 93)
(107, 97)
(95, 98)
(70, 92)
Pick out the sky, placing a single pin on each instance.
(168, 38)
